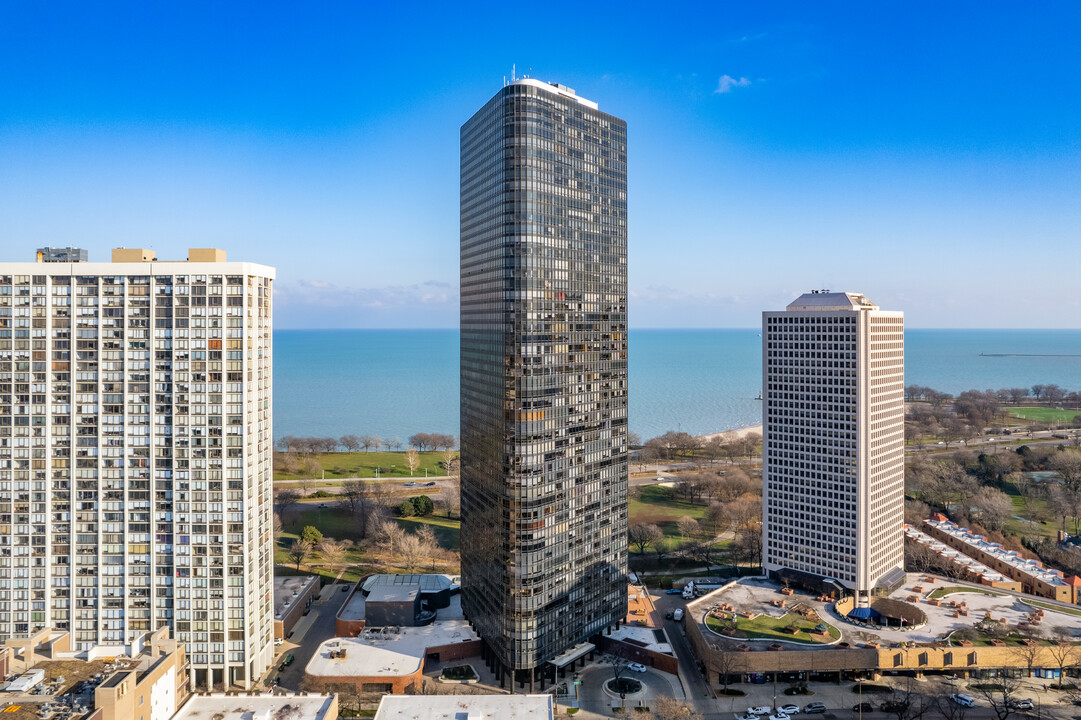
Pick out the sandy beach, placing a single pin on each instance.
(733, 434)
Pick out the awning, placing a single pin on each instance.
(864, 613)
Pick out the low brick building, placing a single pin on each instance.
(293, 596)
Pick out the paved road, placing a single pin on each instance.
(321, 628)
(593, 698)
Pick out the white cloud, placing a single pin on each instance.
(728, 82)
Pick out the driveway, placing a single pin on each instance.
(309, 632)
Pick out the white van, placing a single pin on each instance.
(678, 614)
(963, 700)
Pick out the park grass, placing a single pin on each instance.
(364, 464)
(654, 505)
(1027, 508)
(764, 627)
(944, 591)
(447, 531)
(1045, 414)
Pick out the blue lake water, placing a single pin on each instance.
(394, 383)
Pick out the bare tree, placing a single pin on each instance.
(450, 463)
(644, 535)
(299, 551)
(728, 661)
(663, 707)
(450, 495)
(286, 462)
(688, 527)
(286, 498)
(412, 551)
(332, 551)
(715, 513)
(412, 459)
(350, 442)
(1067, 463)
(1062, 650)
(388, 443)
(370, 441)
(1028, 654)
(1000, 693)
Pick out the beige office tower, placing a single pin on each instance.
(135, 455)
(833, 444)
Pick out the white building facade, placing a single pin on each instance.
(833, 442)
(135, 456)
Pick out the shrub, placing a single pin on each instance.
(423, 505)
(322, 494)
(407, 509)
(311, 534)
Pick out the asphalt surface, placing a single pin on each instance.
(322, 628)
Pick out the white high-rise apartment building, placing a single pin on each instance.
(833, 443)
(135, 455)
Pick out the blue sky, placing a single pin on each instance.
(928, 155)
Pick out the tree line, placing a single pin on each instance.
(974, 490)
(674, 445)
(355, 443)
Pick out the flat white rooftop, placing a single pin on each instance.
(386, 652)
(249, 707)
(288, 590)
(1014, 559)
(465, 707)
(645, 637)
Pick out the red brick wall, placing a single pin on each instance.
(665, 663)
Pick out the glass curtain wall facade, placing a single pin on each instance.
(135, 458)
(543, 372)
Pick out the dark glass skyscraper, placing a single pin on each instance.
(543, 373)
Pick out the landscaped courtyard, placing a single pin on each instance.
(792, 627)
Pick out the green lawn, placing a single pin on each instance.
(944, 591)
(1045, 414)
(1027, 509)
(447, 530)
(653, 506)
(1052, 608)
(764, 627)
(364, 464)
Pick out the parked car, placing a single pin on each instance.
(279, 641)
(323, 506)
(410, 484)
(1022, 704)
(668, 615)
(286, 662)
(429, 484)
(677, 614)
(637, 667)
(788, 709)
(815, 707)
(345, 588)
(673, 591)
(963, 700)
(759, 710)
(893, 706)
(779, 716)
(862, 708)
(746, 717)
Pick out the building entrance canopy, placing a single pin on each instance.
(568, 656)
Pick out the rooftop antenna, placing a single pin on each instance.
(512, 73)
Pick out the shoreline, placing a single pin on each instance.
(733, 433)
